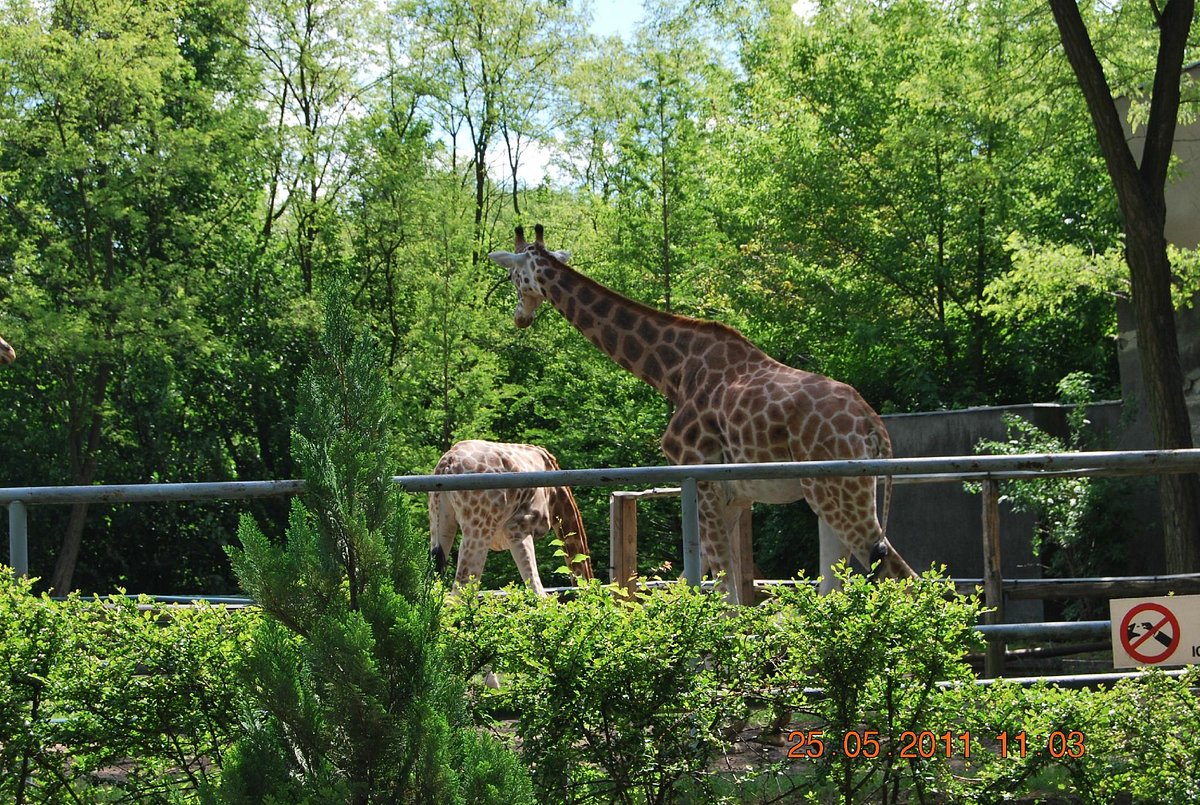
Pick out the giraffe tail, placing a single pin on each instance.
(880, 445)
(574, 536)
(569, 524)
(443, 526)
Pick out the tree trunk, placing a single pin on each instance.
(84, 448)
(1162, 375)
(1140, 194)
(68, 552)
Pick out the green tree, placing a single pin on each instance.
(315, 54)
(1140, 189)
(348, 667)
(121, 139)
(884, 155)
(493, 66)
(664, 217)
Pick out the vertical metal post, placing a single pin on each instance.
(691, 531)
(18, 538)
(993, 578)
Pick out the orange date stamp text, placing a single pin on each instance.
(927, 744)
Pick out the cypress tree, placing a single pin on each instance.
(352, 697)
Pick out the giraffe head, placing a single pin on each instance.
(7, 353)
(521, 266)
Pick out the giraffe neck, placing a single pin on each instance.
(671, 353)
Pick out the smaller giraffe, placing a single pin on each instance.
(7, 353)
(503, 518)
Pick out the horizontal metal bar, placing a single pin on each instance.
(149, 493)
(1050, 630)
(1151, 462)
(1070, 680)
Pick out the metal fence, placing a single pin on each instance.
(924, 469)
(990, 470)
(987, 469)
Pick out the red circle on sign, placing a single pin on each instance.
(1161, 617)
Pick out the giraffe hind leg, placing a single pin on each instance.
(832, 551)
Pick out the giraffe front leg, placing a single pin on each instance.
(523, 554)
(716, 551)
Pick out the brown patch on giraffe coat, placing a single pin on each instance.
(608, 339)
(652, 367)
(633, 349)
(648, 331)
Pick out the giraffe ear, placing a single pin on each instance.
(506, 259)
(562, 257)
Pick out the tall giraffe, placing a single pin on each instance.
(733, 404)
(7, 353)
(503, 518)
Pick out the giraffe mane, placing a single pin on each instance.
(700, 325)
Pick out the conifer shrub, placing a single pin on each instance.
(352, 698)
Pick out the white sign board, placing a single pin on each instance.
(1155, 631)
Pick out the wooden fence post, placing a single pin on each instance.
(622, 545)
(993, 579)
(743, 556)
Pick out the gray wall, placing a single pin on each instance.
(941, 523)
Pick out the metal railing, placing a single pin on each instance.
(932, 469)
(987, 469)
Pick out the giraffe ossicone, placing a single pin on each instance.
(733, 404)
(7, 353)
(503, 519)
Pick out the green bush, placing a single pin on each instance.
(1083, 522)
(616, 699)
(109, 700)
(877, 651)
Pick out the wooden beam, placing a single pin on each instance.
(993, 579)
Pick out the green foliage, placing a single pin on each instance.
(878, 651)
(617, 699)
(1134, 740)
(114, 700)
(894, 194)
(883, 154)
(633, 700)
(354, 699)
(1080, 520)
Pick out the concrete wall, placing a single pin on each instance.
(942, 523)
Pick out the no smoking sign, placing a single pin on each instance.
(1155, 631)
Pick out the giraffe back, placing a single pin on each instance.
(493, 517)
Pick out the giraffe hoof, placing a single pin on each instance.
(879, 555)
